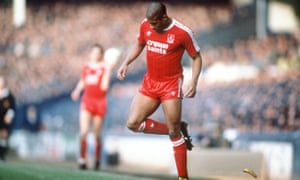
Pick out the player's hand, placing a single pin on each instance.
(190, 91)
(7, 119)
(122, 72)
(75, 95)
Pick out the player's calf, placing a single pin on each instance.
(149, 126)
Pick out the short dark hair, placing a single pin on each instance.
(97, 45)
(156, 9)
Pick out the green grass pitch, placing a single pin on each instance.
(39, 171)
(23, 170)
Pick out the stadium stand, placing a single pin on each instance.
(51, 47)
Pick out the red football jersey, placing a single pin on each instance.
(165, 50)
(92, 74)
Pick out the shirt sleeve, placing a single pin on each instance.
(191, 44)
(140, 36)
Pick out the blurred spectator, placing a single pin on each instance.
(44, 42)
(33, 120)
(7, 114)
(217, 140)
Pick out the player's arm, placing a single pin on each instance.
(134, 53)
(10, 114)
(106, 79)
(196, 70)
(76, 92)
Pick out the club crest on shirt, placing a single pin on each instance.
(171, 38)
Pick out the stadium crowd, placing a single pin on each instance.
(45, 55)
(43, 59)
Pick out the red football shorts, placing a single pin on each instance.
(96, 107)
(162, 90)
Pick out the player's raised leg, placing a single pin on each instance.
(3, 143)
(141, 108)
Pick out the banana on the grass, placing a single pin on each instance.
(250, 171)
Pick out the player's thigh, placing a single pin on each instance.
(85, 120)
(142, 106)
(98, 124)
(172, 113)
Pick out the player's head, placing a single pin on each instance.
(157, 16)
(96, 53)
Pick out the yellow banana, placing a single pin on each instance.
(251, 172)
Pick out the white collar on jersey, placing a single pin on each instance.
(171, 25)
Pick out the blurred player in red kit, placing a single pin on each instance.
(7, 114)
(165, 40)
(94, 83)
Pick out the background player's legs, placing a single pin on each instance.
(172, 111)
(3, 143)
(98, 124)
(141, 108)
(85, 118)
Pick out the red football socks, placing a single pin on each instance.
(83, 149)
(98, 149)
(83, 146)
(180, 155)
(150, 126)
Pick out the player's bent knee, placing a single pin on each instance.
(83, 135)
(132, 126)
